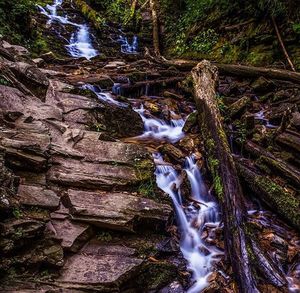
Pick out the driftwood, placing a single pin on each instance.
(272, 194)
(285, 169)
(245, 256)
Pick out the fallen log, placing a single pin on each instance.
(242, 253)
(286, 170)
(222, 167)
(272, 194)
(241, 70)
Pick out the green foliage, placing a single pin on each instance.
(296, 28)
(15, 19)
(104, 236)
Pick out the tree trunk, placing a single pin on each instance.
(242, 70)
(272, 194)
(291, 173)
(153, 6)
(222, 167)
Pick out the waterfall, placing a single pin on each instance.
(126, 47)
(80, 44)
(191, 220)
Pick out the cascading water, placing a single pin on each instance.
(191, 220)
(103, 96)
(80, 44)
(126, 47)
(160, 130)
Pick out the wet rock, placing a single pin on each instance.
(239, 106)
(262, 85)
(74, 235)
(96, 150)
(39, 62)
(172, 152)
(100, 267)
(38, 196)
(190, 143)
(114, 65)
(117, 211)
(103, 81)
(12, 100)
(31, 76)
(80, 111)
(19, 232)
(70, 172)
(18, 52)
(295, 121)
(26, 149)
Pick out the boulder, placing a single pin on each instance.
(116, 211)
(88, 111)
(103, 81)
(12, 101)
(26, 148)
(38, 196)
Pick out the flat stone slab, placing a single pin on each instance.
(117, 211)
(38, 196)
(100, 266)
(75, 173)
(73, 234)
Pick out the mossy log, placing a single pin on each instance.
(224, 173)
(272, 194)
(239, 246)
(286, 170)
(92, 15)
(242, 70)
(289, 139)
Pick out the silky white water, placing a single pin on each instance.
(80, 44)
(103, 96)
(191, 219)
(158, 129)
(126, 46)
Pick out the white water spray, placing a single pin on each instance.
(80, 44)
(159, 129)
(191, 219)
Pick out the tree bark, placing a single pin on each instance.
(222, 167)
(153, 6)
(272, 194)
(286, 170)
(241, 70)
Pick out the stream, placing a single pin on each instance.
(191, 218)
(195, 212)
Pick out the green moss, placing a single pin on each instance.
(156, 275)
(147, 189)
(92, 15)
(144, 168)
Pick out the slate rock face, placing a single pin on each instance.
(100, 267)
(116, 211)
(66, 178)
